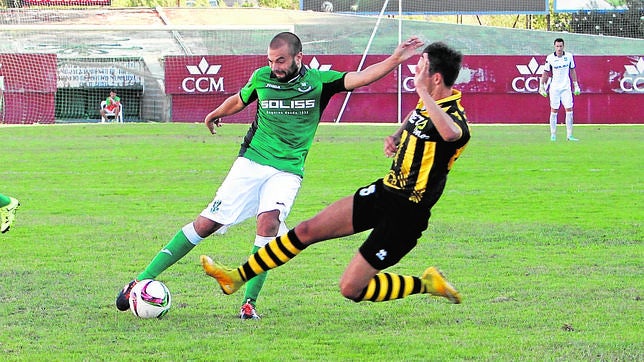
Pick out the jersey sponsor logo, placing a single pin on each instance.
(288, 104)
(528, 81)
(633, 79)
(560, 66)
(420, 123)
(202, 78)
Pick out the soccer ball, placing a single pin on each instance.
(150, 299)
(327, 7)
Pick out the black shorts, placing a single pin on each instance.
(397, 224)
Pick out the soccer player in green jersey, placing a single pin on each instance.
(264, 180)
(396, 208)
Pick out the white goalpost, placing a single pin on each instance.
(364, 56)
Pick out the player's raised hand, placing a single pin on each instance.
(211, 123)
(391, 146)
(421, 75)
(407, 49)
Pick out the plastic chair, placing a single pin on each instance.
(110, 115)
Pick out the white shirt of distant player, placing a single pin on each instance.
(559, 68)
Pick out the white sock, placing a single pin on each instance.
(283, 229)
(569, 124)
(191, 234)
(553, 123)
(262, 240)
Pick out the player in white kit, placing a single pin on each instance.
(559, 70)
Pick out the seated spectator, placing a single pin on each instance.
(112, 106)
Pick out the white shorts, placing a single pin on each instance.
(250, 189)
(560, 96)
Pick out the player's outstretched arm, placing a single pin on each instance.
(230, 106)
(372, 73)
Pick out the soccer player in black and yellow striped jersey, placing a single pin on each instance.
(396, 208)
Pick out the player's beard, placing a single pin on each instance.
(290, 74)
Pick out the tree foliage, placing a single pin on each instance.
(283, 4)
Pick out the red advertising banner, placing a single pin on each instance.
(504, 89)
(27, 88)
(198, 84)
(496, 89)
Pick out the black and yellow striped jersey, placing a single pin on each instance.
(423, 159)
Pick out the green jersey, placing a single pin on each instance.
(288, 114)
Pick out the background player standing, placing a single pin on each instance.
(559, 69)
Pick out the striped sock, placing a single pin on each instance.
(277, 252)
(388, 286)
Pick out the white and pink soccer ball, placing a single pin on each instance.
(150, 299)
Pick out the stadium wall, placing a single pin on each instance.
(497, 89)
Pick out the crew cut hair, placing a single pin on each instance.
(286, 37)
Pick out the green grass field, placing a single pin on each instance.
(544, 240)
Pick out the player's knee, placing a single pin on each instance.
(268, 223)
(306, 232)
(350, 290)
(205, 227)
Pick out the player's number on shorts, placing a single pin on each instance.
(366, 191)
